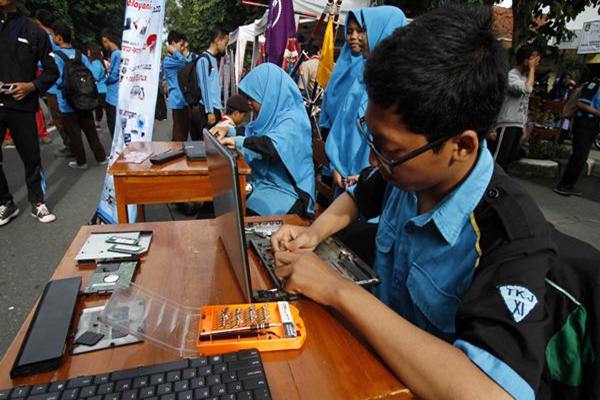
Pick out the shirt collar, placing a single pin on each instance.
(454, 211)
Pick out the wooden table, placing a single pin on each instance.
(186, 265)
(176, 181)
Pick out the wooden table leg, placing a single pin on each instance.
(140, 213)
(243, 193)
(121, 206)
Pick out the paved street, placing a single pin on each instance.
(30, 251)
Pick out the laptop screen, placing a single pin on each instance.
(222, 170)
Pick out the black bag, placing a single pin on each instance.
(78, 83)
(188, 80)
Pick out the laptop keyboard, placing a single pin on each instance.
(231, 376)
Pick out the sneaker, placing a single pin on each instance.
(64, 152)
(103, 162)
(9, 144)
(8, 211)
(563, 191)
(74, 165)
(46, 139)
(41, 212)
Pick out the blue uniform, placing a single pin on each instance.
(283, 178)
(207, 70)
(171, 65)
(345, 147)
(347, 68)
(112, 79)
(69, 52)
(53, 90)
(99, 75)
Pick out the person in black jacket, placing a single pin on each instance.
(22, 45)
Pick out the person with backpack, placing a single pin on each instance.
(77, 97)
(207, 70)
(112, 43)
(22, 45)
(99, 70)
(178, 56)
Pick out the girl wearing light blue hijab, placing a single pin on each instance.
(347, 150)
(277, 145)
(348, 66)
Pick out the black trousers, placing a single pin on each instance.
(182, 121)
(200, 121)
(101, 105)
(52, 103)
(23, 128)
(111, 116)
(78, 121)
(505, 148)
(584, 132)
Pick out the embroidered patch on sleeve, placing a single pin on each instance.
(519, 300)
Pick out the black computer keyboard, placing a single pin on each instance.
(231, 376)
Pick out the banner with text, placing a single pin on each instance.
(590, 38)
(138, 86)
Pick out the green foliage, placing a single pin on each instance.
(559, 13)
(86, 17)
(197, 18)
(573, 63)
(548, 150)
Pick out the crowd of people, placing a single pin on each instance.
(479, 294)
(42, 63)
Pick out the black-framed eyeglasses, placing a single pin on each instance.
(387, 164)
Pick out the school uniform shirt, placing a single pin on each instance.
(278, 144)
(99, 73)
(63, 105)
(346, 148)
(22, 45)
(207, 70)
(112, 78)
(53, 89)
(485, 271)
(590, 95)
(171, 65)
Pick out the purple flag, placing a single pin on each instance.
(281, 25)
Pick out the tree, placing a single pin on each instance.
(86, 17)
(527, 16)
(197, 18)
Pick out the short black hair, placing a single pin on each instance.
(112, 36)
(312, 50)
(524, 53)
(217, 33)
(61, 28)
(175, 37)
(444, 73)
(45, 17)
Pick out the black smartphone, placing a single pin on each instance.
(123, 240)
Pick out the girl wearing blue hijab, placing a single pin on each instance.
(277, 145)
(345, 146)
(348, 66)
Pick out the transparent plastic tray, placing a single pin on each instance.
(164, 323)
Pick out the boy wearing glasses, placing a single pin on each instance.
(480, 296)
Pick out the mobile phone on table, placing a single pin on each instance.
(125, 249)
(123, 240)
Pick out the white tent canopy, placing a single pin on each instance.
(239, 38)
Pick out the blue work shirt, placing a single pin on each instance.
(427, 261)
(112, 78)
(272, 193)
(207, 70)
(69, 52)
(590, 95)
(171, 65)
(99, 75)
(53, 89)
